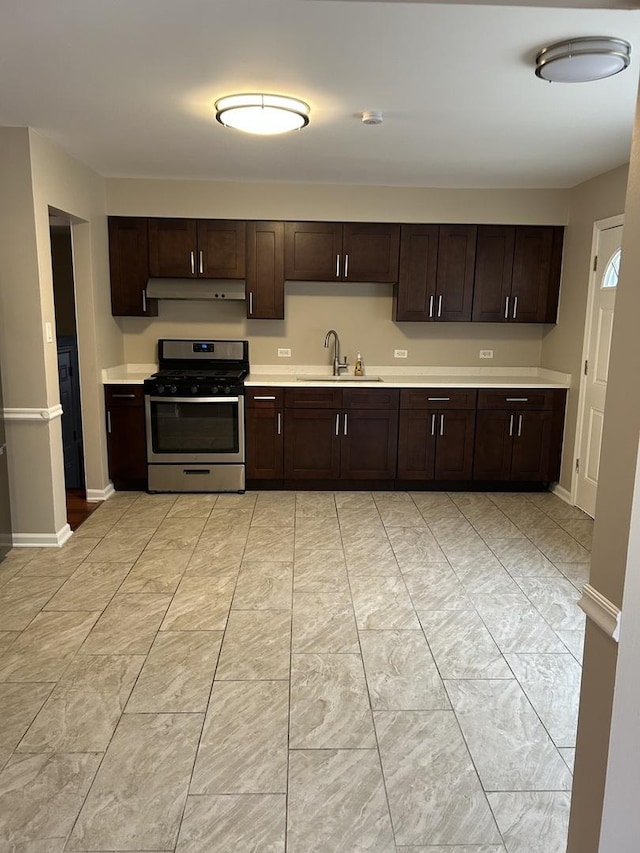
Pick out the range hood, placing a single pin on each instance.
(194, 289)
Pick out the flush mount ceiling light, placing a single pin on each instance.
(580, 60)
(262, 114)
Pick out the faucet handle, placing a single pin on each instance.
(342, 365)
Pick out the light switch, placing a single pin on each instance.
(48, 332)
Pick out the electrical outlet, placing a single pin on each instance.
(400, 353)
(284, 352)
(486, 353)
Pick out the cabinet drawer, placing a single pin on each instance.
(313, 398)
(124, 395)
(264, 398)
(370, 398)
(516, 398)
(438, 398)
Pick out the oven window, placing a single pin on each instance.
(194, 427)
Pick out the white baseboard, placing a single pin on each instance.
(41, 540)
(95, 495)
(601, 611)
(562, 493)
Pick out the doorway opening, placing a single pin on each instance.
(68, 367)
(605, 257)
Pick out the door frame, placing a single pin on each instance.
(598, 226)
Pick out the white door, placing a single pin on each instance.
(597, 367)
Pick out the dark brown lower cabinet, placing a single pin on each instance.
(126, 436)
(368, 449)
(436, 445)
(264, 433)
(312, 448)
(521, 445)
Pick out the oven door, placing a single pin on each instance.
(195, 429)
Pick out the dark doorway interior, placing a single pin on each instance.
(67, 344)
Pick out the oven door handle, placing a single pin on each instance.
(194, 399)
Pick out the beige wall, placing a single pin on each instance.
(599, 198)
(362, 314)
(611, 556)
(36, 175)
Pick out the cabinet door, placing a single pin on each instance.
(313, 251)
(129, 265)
(264, 436)
(493, 445)
(531, 446)
(536, 274)
(417, 444)
(265, 270)
(416, 291)
(493, 272)
(369, 444)
(126, 445)
(221, 248)
(312, 449)
(371, 251)
(454, 278)
(173, 248)
(454, 445)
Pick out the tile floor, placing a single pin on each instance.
(310, 672)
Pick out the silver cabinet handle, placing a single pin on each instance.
(144, 301)
(264, 398)
(279, 423)
(346, 266)
(123, 396)
(109, 422)
(438, 399)
(250, 302)
(431, 306)
(440, 305)
(201, 262)
(346, 423)
(506, 308)
(337, 266)
(338, 423)
(433, 424)
(441, 424)
(515, 307)
(511, 425)
(193, 263)
(519, 425)
(516, 399)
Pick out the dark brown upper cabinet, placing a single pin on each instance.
(436, 273)
(517, 273)
(330, 251)
(129, 265)
(197, 248)
(265, 270)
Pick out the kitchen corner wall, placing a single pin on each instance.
(362, 314)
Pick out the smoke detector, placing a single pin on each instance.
(372, 117)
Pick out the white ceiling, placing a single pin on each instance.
(127, 87)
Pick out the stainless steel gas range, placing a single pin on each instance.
(194, 409)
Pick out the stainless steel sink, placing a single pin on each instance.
(342, 378)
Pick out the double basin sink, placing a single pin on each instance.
(344, 377)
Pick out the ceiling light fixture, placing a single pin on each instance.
(580, 60)
(262, 114)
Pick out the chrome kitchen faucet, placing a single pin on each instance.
(338, 366)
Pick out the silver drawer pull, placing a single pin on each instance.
(438, 399)
(123, 396)
(196, 471)
(264, 398)
(517, 399)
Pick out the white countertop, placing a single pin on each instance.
(395, 377)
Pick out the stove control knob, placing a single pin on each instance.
(214, 390)
(194, 389)
(173, 389)
(160, 388)
(227, 389)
